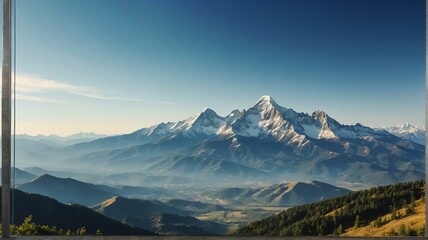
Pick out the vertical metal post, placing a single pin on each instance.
(426, 117)
(6, 118)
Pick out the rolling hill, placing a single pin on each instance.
(284, 194)
(120, 208)
(47, 211)
(69, 190)
(157, 216)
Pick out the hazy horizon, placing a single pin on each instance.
(223, 115)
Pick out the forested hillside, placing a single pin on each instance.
(333, 216)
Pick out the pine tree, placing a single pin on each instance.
(357, 221)
(339, 229)
(378, 222)
(394, 213)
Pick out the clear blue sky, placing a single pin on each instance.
(114, 66)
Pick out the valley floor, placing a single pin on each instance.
(241, 215)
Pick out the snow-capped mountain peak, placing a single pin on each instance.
(265, 119)
(407, 131)
(266, 139)
(209, 111)
(266, 102)
(268, 120)
(208, 122)
(266, 98)
(234, 112)
(407, 127)
(233, 116)
(319, 125)
(318, 114)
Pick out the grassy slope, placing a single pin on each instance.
(415, 221)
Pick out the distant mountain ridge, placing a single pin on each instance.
(21, 176)
(66, 190)
(283, 194)
(55, 140)
(407, 131)
(69, 190)
(263, 142)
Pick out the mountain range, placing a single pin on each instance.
(55, 140)
(266, 142)
(407, 131)
(70, 191)
(27, 145)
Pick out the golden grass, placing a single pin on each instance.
(108, 202)
(414, 221)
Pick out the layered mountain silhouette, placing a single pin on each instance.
(67, 190)
(263, 142)
(20, 176)
(54, 140)
(157, 216)
(284, 194)
(121, 208)
(47, 211)
(111, 200)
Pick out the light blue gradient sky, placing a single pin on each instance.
(114, 66)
